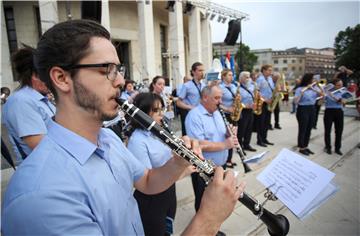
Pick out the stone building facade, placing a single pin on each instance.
(150, 39)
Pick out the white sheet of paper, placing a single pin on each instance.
(256, 158)
(295, 180)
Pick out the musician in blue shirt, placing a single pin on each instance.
(305, 97)
(129, 92)
(79, 179)
(205, 123)
(189, 95)
(265, 85)
(247, 114)
(157, 211)
(229, 93)
(334, 114)
(28, 109)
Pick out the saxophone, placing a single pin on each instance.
(237, 106)
(258, 101)
(277, 94)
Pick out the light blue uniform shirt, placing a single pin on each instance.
(69, 186)
(228, 97)
(331, 102)
(148, 149)
(125, 95)
(25, 113)
(246, 97)
(265, 86)
(190, 94)
(309, 97)
(202, 125)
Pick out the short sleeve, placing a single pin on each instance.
(25, 118)
(193, 125)
(48, 213)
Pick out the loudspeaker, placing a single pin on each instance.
(233, 32)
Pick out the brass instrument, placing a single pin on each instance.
(277, 94)
(310, 86)
(258, 101)
(237, 106)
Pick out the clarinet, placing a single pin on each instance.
(276, 224)
(238, 147)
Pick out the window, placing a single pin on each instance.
(300, 68)
(276, 69)
(284, 69)
(300, 61)
(293, 68)
(276, 61)
(91, 10)
(163, 47)
(10, 28)
(293, 61)
(285, 61)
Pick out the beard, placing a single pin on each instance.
(90, 102)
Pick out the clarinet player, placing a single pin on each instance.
(206, 124)
(80, 178)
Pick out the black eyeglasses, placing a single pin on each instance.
(112, 69)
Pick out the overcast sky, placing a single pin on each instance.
(284, 24)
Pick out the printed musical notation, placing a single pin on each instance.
(299, 183)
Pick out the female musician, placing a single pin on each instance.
(334, 114)
(129, 92)
(157, 211)
(157, 86)
(245, 123)
(305, 98)
(229, 93)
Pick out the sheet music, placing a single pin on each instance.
(298, 182)
(256, 158)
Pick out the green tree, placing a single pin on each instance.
(347, 48)
(245, 59)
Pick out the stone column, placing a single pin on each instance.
(105, 14)
(194, 37)
(176, 44)
(48, 14)
(206, 43)
(146, 38)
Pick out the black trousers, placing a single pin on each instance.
(263, 124)
(276, 114)
(317, 111)
(336, 116)
(305, 116)
(199, 187)
(155, 208)
(245, 127)
(183, 114)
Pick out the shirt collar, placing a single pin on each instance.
(203, 110)
(80, 148)
(33, 93)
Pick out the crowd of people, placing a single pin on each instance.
(77, 177)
